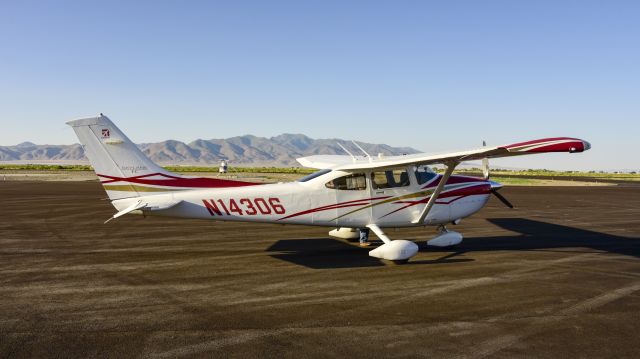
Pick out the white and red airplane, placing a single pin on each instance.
(349, 193)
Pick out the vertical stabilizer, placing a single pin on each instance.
(125, 171)
(113, 156)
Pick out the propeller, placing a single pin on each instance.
(485, 164)
(501, 197)
(495, 186)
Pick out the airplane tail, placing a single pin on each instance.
(123, 169)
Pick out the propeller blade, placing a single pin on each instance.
(485, 165)
(494, 186)
(485, 169)
(502, 199)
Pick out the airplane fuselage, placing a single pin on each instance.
(312, 203)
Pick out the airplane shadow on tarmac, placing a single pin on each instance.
(329, 253)
(543, 236)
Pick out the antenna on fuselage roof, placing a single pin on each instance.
(347, 151)
(363, 151)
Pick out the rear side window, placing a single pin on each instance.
(390, 179)
(354, 182)
(313, 175)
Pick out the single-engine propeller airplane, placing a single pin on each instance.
(348, 193)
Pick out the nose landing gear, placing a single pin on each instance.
(445, 238)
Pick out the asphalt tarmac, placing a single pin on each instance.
(559, 276)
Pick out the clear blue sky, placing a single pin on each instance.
(434, 75)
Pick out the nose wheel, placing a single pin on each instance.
(445, 238)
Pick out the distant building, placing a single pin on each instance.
(223, 166)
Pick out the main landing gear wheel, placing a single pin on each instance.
(396, 251)
(401, 261)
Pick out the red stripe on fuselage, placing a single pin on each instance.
(358, 202)
(484, 188)
(454, 180)
(174, 181)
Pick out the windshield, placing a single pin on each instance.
(424, 174)
(314, 175)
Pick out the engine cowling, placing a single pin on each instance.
(445, 239)
(397, 250)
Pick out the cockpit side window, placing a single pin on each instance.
(353, 182)
(424, 174)
(390, 178)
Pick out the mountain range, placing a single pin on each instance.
(245, 150)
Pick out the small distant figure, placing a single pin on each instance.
(364, 237)
(223, 167)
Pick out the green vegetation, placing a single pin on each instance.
(288, 170)
(516, 181)
(549, 173)
(508, 176)
(46, 167)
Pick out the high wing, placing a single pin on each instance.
(348, 163)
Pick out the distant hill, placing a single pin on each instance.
(245, 150)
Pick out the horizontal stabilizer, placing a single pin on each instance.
(131, 208)
(145, 205)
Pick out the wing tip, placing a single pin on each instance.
(553, 144)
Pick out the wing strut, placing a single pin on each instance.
(383, 237)
(434, 197)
